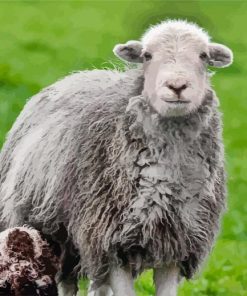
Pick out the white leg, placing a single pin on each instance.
(67, 289)
(104, 290)
(166, 281)
(121, 282)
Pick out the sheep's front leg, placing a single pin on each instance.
(67, 288)
(166, 280)
(104, 290)
(121, 282)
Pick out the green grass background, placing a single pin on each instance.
(41, 41)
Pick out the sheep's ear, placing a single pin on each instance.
(219, 55)
(130, 51)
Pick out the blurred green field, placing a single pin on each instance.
(41, 41)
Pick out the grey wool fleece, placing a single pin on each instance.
(128, 185)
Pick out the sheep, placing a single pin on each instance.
(124, 169)
(27, 264)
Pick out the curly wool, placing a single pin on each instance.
(129, 186)
(27, 265)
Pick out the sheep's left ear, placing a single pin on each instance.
(219, 55)
(130, 51)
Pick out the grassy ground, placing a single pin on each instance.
(42, 41)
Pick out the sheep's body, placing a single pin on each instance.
(129, 187)
(28, 266)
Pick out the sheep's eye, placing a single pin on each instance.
(204, 56)
(147, 56)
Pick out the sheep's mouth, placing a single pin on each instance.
(180, 102)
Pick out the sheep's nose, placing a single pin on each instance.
(177, 88)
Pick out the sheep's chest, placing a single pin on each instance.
(170, 165)
(168, 181)
(167, 175)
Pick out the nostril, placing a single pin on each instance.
(171, 87)
(177, 89)
(184, 86)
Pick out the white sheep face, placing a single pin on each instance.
(176, 75)
(175, 55)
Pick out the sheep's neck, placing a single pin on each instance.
(166, 155)
(148, 124)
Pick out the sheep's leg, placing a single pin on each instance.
(67, 278)
(67, 288)
(104, 290)
(121, 282)
(166, 280)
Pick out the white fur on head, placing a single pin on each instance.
(171, 28)
(175, 55)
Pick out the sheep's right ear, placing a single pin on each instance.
(130, 51)
(220, 56)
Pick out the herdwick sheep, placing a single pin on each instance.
(27, 264)
(124, 170)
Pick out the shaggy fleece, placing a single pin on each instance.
(129, 186)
